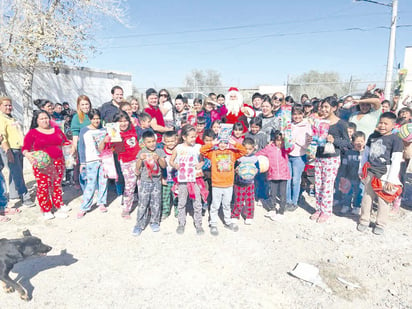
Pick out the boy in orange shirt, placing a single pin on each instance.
(223, 160)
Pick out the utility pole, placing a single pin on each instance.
(391, 51)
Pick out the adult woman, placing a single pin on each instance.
(327, 164)
(43, 136)
(179, 112)
(134, 103)
(44, 105)
(269, 121)
(368, 116)
(79, 121)
(166, 107)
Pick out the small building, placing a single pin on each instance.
(65, 84)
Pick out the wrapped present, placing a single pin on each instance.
(286, 125)
(41, 159)
(320, 131)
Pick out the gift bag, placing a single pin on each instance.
(109, 168)
(320, 131)
(286, 125)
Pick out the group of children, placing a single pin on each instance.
(193, 168)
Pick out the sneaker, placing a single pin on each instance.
(102, 208)
(214, 231)
(125, 215)
(258, 203)
(29, 203)
(232, 226)
(248, 221)
(235, 218)
(180, 229)
(277, 217)
(312, 193)
(377, 230)
(61, 215)
(200, 230)
(361, 227)
(315, 216)
(291, 207)
(136, 231)
(155, 227)
(81, 214)
(355, 211)
(164, 217)
(65, 208)
(344, 209)
(323, 218)
(48, 215)
(270, 213)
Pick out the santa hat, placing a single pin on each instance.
(233, 89)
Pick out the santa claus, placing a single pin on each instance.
(237, 111)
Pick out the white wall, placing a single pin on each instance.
(67, 85)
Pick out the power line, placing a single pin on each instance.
(252, 37)
(304, 21)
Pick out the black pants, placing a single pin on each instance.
(278, 191)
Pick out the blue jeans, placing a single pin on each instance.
(296, 167)
(17, 186)
(354, 195)
(3, 197)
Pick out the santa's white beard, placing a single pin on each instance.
(233, 106)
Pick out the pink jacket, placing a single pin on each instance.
(278, 162)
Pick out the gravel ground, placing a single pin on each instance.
(97, 263)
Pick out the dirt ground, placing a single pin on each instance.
(97, 263)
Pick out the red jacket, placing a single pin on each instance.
(278, 162)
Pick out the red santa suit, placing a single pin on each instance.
(234, 106)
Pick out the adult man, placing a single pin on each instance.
(111, 108)
(11, 153)
(67, 111)
(157, 123)
(237, 111)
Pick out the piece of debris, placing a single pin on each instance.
(349, 285)
(309, 273)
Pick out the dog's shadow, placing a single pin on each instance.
(31, 267)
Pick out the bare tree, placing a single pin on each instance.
(205, 81)
(50, 31)
(318, 84)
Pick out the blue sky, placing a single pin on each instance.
(251, 43)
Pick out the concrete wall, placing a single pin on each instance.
(67, 85)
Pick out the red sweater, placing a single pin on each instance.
(49, 143)
(130, 145)
(157, 114)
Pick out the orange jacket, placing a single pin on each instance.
(223, 163)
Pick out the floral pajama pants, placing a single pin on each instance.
(95, 179)
(128, 171)
(49, 183)
(244, 195)
(326, 170)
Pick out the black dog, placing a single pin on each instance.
(13, 251)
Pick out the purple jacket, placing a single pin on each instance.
(278, 162)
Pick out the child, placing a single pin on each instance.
(216, 127)
(244, 189)
(278, 174)
(200, 128)
(223, 159)
(144, 120)
(209, 113)
(149, 161)
(91, 142)
(188, 163)
(302, 136)
(208, 137)
(350, 184)
(127, 155)
(380, 164)
(237, 132)
(351, 129)
(256, 134)
(170, 141)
